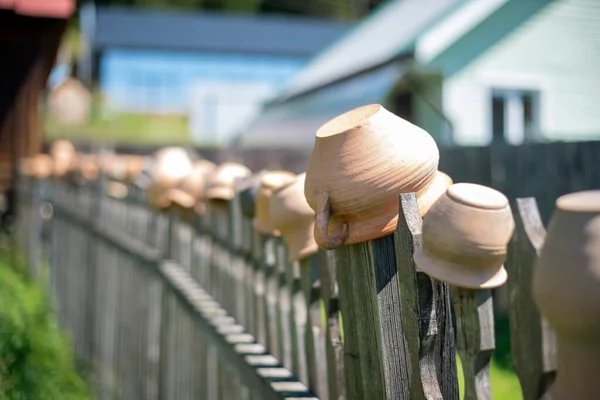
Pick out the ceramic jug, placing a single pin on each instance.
(566, 289)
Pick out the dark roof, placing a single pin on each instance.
(213, 31)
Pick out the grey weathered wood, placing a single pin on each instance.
(285, 309)
(314, 337)
(262, 327)
(336, 384)
(365, 287)
(533, 341)
(271, 295)
(475, 340)
(348, 305)
(430, 369)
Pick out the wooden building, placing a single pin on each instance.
(30, 33)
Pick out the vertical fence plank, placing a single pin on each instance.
(348, 305)
(286, 313)
(316, 357)
(334, 348)
(430, 369)
(533, 340)
(475, 339)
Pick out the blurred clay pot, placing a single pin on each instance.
(465, 237)
(291, 215)
(64, 157)
(270, 182)
(566, 289)
(117, 169)
(88, 166)
(157, 197)
(39, 166)
(221, 187)
(135, 165)
(116, 189)
(361, 162)
(195, 183)
(246, 190)
(170, 166)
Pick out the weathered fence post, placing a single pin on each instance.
(566, 288)
(425, 313)
(465, 234)
(532, 339)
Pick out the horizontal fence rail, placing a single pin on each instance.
(172, 306)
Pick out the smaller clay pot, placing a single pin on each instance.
(135, 165)
(270, 182)
(221, 187)
(64, 157)
(41, 166)
(117, 169)
(195, 183)
(170, 166)
(465, 237)
(291, 215)
(116, 190)
(246, 190)
(87, 166)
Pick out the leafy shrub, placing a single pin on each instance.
(36, 361)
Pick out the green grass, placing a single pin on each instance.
(36, 361)
(124, 129)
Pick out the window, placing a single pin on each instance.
(515, 116)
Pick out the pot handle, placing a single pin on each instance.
(322, 224)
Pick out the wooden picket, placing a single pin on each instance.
(166, 306)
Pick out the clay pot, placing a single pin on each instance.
(116, 190)
(170, 166)
(88, 166)
(135, 165)
(64, 157)
(270, 182)
(291, 215)
(566, 289)
(221, 187)
(465, 237)
(195, 183)
(361, 162)
(117, 169)
(41, 166)
(246, 190)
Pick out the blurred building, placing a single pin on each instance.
(471, 72)
(217, 68)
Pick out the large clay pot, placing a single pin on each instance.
(221, 187)
(270, 182)
(170, 166)
(64, 157)
(246, 190)
(566, 289)
(294, 219)
(465, 237)
(361, 162)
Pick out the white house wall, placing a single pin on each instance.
(556, 52)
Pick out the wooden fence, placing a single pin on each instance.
(163, 306)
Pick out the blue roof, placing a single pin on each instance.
(213, 32)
